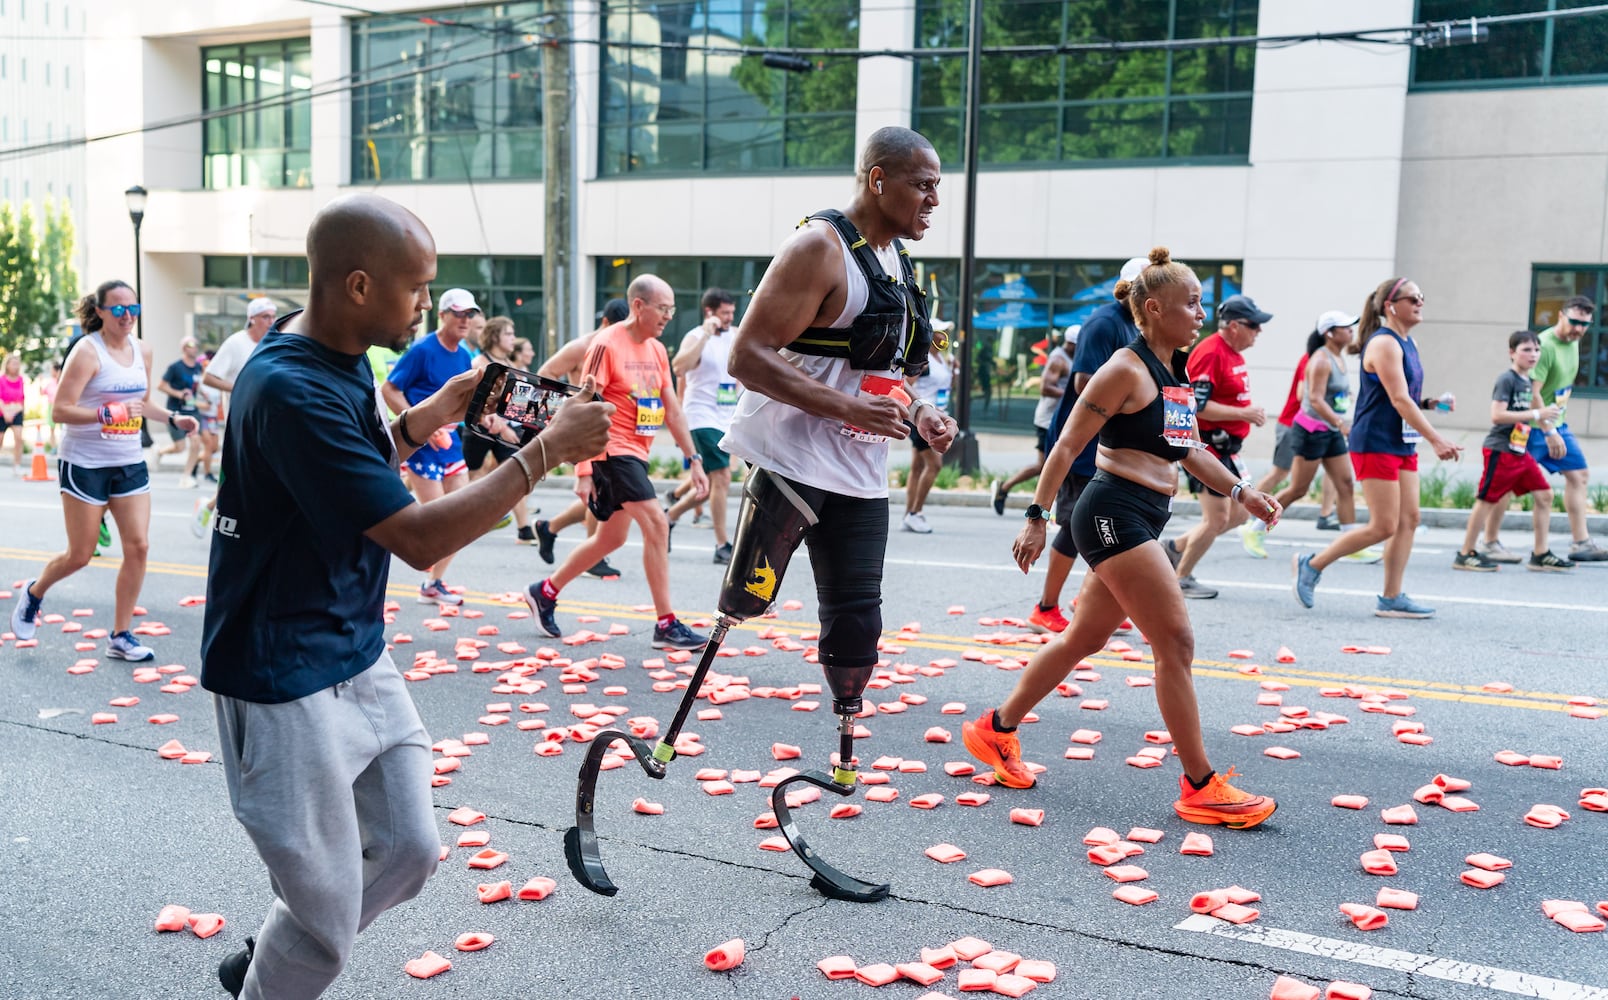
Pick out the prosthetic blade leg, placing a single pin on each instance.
(770, 526)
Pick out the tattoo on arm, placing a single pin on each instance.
(1096, 407)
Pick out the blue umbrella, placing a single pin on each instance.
(1021, 315)
(1016, 288)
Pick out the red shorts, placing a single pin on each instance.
(1382, 465)
(1506, 472)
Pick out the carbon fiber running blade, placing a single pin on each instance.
(581, 851)
(828, 881)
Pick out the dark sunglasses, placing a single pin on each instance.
(463, 313)
(1582, 323)
(1416, 300)
(1253, 327)
(120, 311)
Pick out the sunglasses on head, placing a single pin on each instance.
(120, 311)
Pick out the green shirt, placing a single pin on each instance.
(1559, 364)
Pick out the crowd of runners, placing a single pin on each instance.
(806, 393)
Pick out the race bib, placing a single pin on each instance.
(1519, 438)
(1409, 434)
(876, 385)
(726, 395)
(126, 429)
(1178, 416)
(650, 415)
(1342, 403)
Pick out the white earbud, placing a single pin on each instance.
(879, 187)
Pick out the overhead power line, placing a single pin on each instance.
(1424, 33)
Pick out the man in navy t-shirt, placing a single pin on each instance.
(437, 468)
(1108, 329)
(326, 760)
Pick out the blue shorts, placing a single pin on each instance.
(98, 486)
(438, 463)
(1572, 459)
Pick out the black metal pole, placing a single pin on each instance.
(139, 321)
(964, 451)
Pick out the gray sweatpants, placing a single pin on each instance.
(334, 791)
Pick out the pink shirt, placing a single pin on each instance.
(11, 389)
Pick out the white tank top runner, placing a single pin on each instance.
(106, 446)
(801, 446)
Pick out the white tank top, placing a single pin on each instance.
(103, 446)
(802, 446)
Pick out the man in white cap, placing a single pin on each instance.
(1107, 330)
(221, 373)
(437, 468)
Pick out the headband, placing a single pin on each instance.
(1391, 295)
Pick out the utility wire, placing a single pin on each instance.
(1405, 35)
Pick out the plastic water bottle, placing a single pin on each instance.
(1446, 401)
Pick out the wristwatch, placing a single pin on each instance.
(1037, 513)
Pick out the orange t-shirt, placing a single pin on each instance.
(635, 378)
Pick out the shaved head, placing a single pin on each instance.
(891, 148)
(363, 232)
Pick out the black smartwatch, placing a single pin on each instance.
(1037, 513)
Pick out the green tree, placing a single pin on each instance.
(37, 280)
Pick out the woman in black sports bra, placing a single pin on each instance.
(1144, 414)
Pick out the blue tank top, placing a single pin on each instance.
(1377, 428)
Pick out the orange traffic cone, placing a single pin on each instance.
(40, 473)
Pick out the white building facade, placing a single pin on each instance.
(42, 86)
(1301, 175)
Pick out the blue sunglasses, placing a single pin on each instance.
(120, 311)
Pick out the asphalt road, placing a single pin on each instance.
(100, 833)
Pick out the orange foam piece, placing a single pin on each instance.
(474, 838)
(1028, 817)
(495, 892)
(972, 798)
(988, 877)
(1367, 918)
(464, 816)
(1350, 801)
(777, 844)
(1580, 921)
(473, 941)
(1452, 784)
(843, 810)
(1236, 913)
(880, 974)
(945, 854)
(538, 888)
(1480, 879)
(1391, 842)
(1282, 753)
(725, 957)
(1341, 990)
(426, 965)
(1134, 895)
(195, 757)
(1399, 816)
(997, 961)
(977, 981)
(1378, 862)
(1511, 758)
(647, 808)
(1206, 902)
(1284, 655)
(173, 917)
(1396, 899)
(1038, 970)
(204, 925)
(931, 800)
(1489, 862)
(1127, 873)
(968, 949)
(171, 750)
(1196, 843)
(785, 751)
(939, 958)
(488, 859)
(837, 967)
(920, 972)
(1285, 988)
(1012, 985)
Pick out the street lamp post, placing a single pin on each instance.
(964, 451)
(136, 213)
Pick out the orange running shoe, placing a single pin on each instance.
(1220, 802)
(1047, 621)
(1000, 751)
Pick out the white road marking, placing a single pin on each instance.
(1521, 984)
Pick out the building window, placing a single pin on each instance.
(1551, 285)
(1532, 53)
(267, 272)
(476, 119)
(502, 286)
(688, 277)
(1146, 106)
(706, 108)
(260, 146)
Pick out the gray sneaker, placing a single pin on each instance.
(1401, 606)
(1195, 590)
(1495, 552)
(1474, 562)
(25, 614)
(1587, 551)
(1306, 578)
(1547, 562)
(1174, 557)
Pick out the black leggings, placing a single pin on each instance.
(846, 551)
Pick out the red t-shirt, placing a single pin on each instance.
(1215, 362)
(635, 378)
(1292, 404)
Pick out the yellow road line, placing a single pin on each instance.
(938, 642)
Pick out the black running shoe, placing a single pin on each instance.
(723, 554)
(527, 536)
(544, 542)
(603, 571)
(667, 533)
(544, 608)
(232, 970)
(677, 636)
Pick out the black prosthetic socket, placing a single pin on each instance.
(770, 526)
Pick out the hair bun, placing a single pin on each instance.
(1122, 289)
(1160, 255)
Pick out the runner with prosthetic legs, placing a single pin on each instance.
(1144, 412)
(832, 331)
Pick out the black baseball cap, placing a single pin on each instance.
(1242, 307)
(614, 310)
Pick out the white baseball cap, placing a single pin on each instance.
(1070, 334)
(1333, 318)
(1131, 270)
(456, 300)
(257, 306)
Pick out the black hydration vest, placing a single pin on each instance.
(893, 331)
